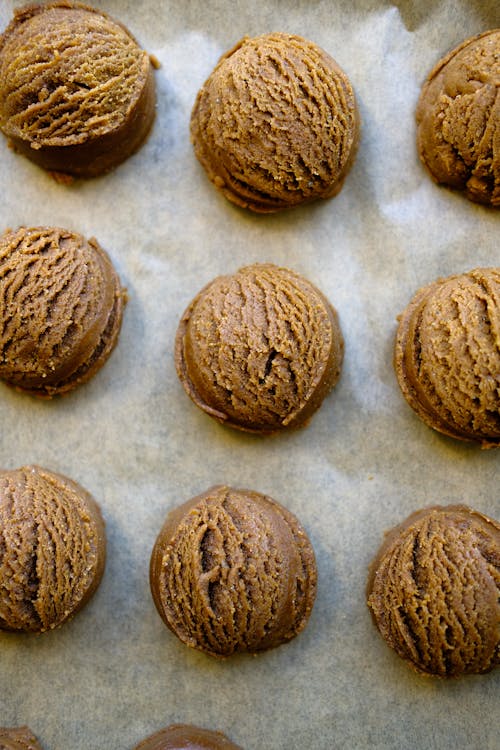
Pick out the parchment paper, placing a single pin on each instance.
(131, 437)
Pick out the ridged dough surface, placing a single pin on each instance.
(18, 738)
(447, 355)
(77, 93)
(61, 306)
(231, 571)
(67, 74)
(52, 549)
(458, 119)
(259, 349)
(187, 737)
(434, 591)
(276, 123)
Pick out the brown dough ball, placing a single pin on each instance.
(186, 737)
(447, 355)
(458, 119)
(52, 549)
(77, 94)
(276, 123)
(61, 306)
(231, 571)
(18, 738)
(434, 591)
(260, 349)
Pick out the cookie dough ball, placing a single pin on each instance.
(77, 94)
(458, 119)
(52, 549)
(61, 306)
(260, 349)
(447, 355)
(18, 738)
(434, 591)
(186, 737)
(231, 571)
(276, 123)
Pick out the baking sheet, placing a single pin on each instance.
(131, 437)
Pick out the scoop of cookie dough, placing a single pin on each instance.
(434, 591)
(276, 123)
(52, 549)
(18, 738)
(447, 355)
(231, 571)
(186, 737)
(458, 119)
(260, 349)
(77, 94)
(61, 306)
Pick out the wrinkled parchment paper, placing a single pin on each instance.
(131, 436)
